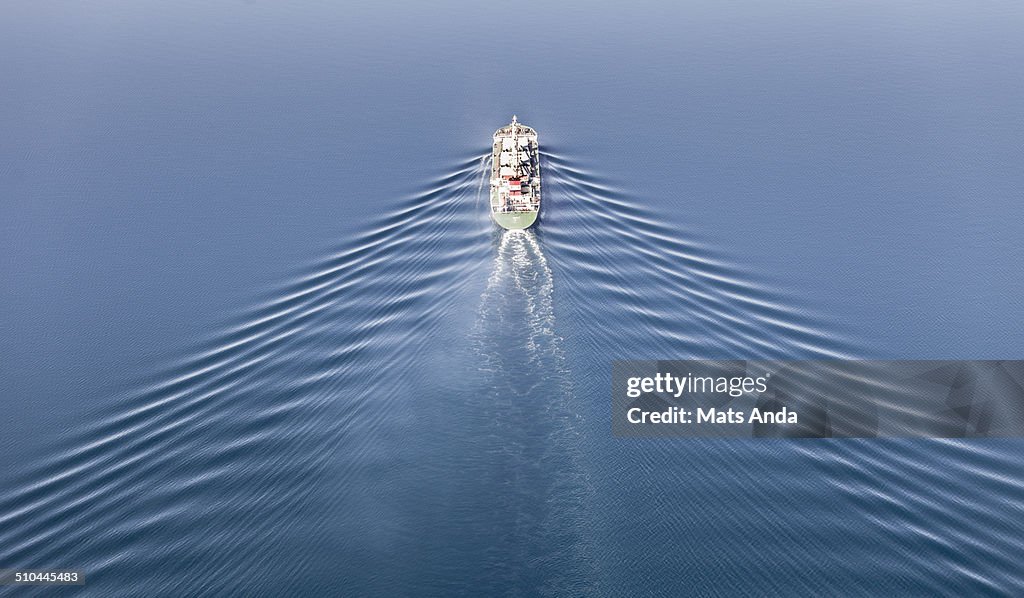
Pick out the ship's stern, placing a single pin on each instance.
(514, 220)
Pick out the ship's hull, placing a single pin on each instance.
(514, 220)
(515, 177)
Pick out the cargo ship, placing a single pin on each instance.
(515, 176)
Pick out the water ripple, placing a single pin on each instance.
(423, 409)
(242, 431)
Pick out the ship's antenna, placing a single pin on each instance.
(513, 119)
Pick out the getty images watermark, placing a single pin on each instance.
(818, 399)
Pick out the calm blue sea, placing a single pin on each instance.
(259, 338)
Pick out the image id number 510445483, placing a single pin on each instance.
(42, 577)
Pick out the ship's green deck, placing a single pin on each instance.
(514, 220)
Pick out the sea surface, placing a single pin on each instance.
(258, 336)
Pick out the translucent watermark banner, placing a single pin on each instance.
(818, 399)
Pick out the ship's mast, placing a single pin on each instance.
(515, 147)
